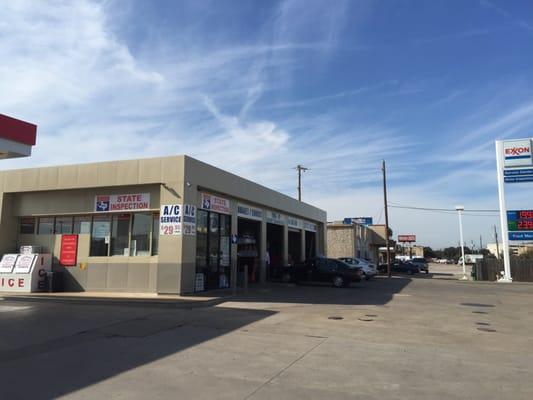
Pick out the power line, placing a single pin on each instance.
(438, 209)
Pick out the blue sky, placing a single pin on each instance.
(256, 87)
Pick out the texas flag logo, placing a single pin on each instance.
(102, 203)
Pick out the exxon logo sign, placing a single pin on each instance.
(517, 153)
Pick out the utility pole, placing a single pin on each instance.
(386, 217)
(497, 245)
(300, 168)
(480, 242)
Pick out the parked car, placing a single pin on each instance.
(369, 270)
(321, 269)
(400, 266)
(421, 264)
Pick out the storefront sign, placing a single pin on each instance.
(517, 153)
(8, 263)
(170, 219)
(309, 226)
(275, 218)
(122, 202)
(216, 204)
(68, 256)
(249, 212)
(294, 223)
(189, 219)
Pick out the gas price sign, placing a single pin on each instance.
(520, 220)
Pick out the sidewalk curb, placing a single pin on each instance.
(117, 301)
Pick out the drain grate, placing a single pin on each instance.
(366, 319)
(483, 323)
(486, 329)
(371, 315)
(335, 317)
(479, 312)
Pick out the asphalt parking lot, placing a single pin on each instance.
(400, 338)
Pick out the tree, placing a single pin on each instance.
(429, 253)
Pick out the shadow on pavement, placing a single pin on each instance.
(55, 349)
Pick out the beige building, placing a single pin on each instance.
(356, 240)
(164, 225)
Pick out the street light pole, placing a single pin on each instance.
(460, 210)
(386, 208)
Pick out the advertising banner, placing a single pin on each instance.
(189, 220)
(122, 202)
(216, 204)
(68, 256)
(170, 219)
(406, 238)
(358, 220)
(273, 217)
(249, 212)
(294, 223)
(309, 226)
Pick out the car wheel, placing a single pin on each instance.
(338, 281)
(286, 277)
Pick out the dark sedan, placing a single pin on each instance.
(336, 272)
(405, 267)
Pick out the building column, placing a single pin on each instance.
(285, 249)
(262, 252)
(233, 248)
(302, 247)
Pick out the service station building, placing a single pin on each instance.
(161, 225)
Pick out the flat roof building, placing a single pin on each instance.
(162, 225)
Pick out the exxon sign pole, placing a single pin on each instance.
(503, 213)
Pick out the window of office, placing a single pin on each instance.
(155, 234)
(140, 234)
(82, 225)
(46, 226)
(100, 236)
(63, 225)
(27, 226)
(120, 235)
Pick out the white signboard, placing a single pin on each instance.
(24, 263)
(216, 204)
(275, 218)
(122, 202)
(294, 223)
(517, 153)
(170, 219)
(189, 219)
(8, 263)
(249, 212)
(309, 226)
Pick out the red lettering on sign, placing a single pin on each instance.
(11, 282)
(21, 282)
(516, 151)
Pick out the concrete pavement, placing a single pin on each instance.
(403, 338)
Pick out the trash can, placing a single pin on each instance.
(54, 281)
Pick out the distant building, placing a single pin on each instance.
(357, 240)
(514, 250)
